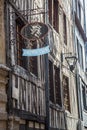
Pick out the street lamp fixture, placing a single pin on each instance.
(71, 60)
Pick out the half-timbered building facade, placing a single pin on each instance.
(62, 83)
(26, 104)
(37, 92)
(80, 40)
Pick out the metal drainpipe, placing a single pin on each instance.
(46, 74)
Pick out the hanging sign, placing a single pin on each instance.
(36, 52)
(34, 31)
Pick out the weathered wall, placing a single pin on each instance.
(59, 45)
(2, 33)
(3, 71)
(3, 96)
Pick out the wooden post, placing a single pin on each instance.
(47, 91)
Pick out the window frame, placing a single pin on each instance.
(38, 65)
(33, 66)
(65, 28)
(17, 20)
(66, 103)
(80, 53)
(53, 6)
(55, 92)
(84, 95)
(79, 10)
(20, 60)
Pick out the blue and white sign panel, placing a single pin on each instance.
(36, 52)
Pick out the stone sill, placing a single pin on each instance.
(4, 67)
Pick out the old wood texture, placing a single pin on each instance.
(28, 95)
(57, 119)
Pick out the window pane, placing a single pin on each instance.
(79, 10)
(64, 29)
(33, 61)
(66, 92)
(54, 14)
(51, 84)
(50, 11)
(84, 95)
(81, 56)
(57, 86)
(20, 44)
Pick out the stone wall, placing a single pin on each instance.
(3, 96)
(3, 71)
(2, 33)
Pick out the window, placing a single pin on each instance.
(75, 1)
(54, 84)
(66, 92)
(79, 10)
(54, 14)
(86, 55)
(57, 86)
(80, 53)
(81, 56)
(50, 11)
(64, 29)
(84, 95)
(21, 61)
(51, 84)
(82, 1)
(33, 61)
